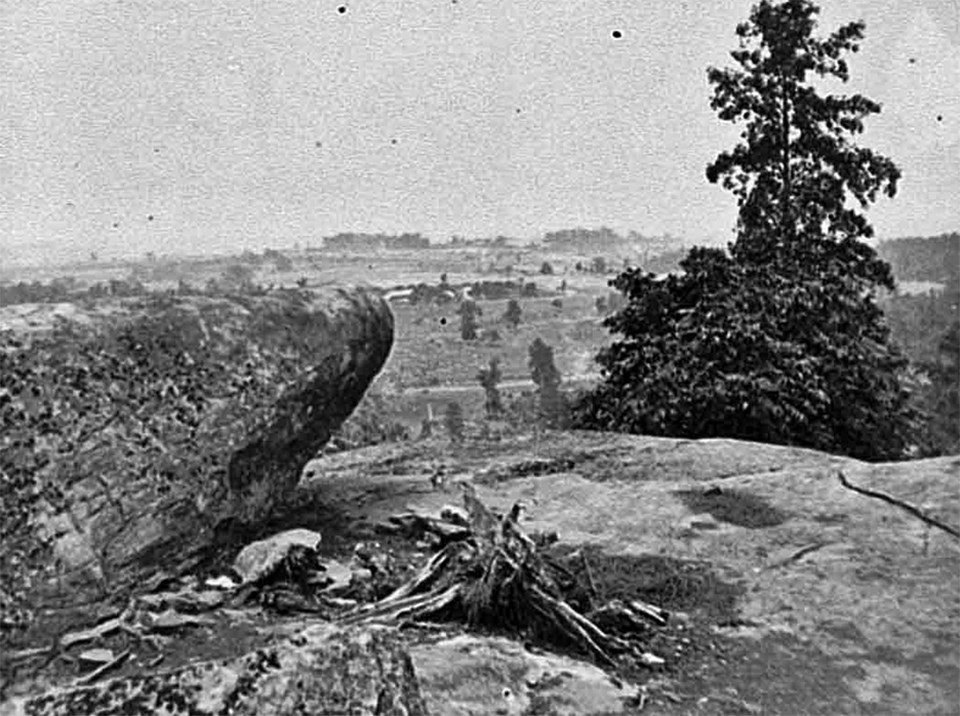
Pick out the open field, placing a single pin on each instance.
(430, 363)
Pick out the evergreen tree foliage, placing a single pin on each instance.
(469, 313)
(453, 421)
(780, 339)
(547, 378)
(489, 378)
(513, 313)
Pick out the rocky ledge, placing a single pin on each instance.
(136, 429)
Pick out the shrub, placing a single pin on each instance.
(453, 421)
(469, 313)
(489, 378)
(545, 374)
(513, 313)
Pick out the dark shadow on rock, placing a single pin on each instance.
(674, 584)
(736, 507)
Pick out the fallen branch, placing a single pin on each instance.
(26, 654)
(417, 605)
(494, 575)
(651, 611)
(916, 512)
(101, 670)
(799, 554)
(97, 632)
(586, 570)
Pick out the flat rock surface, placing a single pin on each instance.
(834, 602)
(471, 676)
(789, 593)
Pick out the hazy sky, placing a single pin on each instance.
(239, 124)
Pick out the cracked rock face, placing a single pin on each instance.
(324, 670)
(191, 411)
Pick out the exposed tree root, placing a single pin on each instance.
(492, 574)
(916, 512)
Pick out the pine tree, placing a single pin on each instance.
(453, 420)
(513, 313)
(489, 378)
(780, 339)
(547, 377)
(469, 313)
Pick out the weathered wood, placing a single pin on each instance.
(496, 575)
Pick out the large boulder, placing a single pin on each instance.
(133, 428)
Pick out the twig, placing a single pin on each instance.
(424, 576)
(586, 630)
(101, 630)
(805, 550)
(101, 670)
(586, 568)
(27, 654)
(916, 512)
(642, 698)
(418, 605)
(651, 611)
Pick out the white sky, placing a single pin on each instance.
(206, 115)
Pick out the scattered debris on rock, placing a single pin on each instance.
(492, 574)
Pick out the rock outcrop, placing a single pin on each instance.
(133, 427)
(322, 671)
(814, 597)
(363, 672)
(789, 591)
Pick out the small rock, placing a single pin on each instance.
(221, 582)
(341, 602)
(96, 656)
(362, 574)
(648, 659)
(171, 620)
(259, 559)
(455, 515)
(339, 576)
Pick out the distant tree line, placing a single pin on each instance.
(934, 258)
(373, 242)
